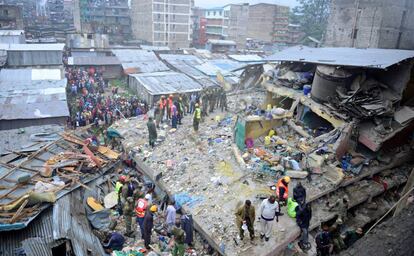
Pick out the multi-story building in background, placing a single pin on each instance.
(265, 23)
(371, 24)
(109, 17)
(11, 17)
(199, 23)
(268, 23)
(162, 22)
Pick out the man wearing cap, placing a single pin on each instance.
(282, 189)
(245, 216)
(148, 225)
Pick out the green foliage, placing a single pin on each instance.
(312, 15)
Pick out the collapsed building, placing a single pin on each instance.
(337, 120)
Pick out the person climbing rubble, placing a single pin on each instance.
(282, 189)
(128, 213)
(303, 217)
(197, 117)
(178, 239)
(152, 132)
(113, 242)
(148, 224)
(269, 210)
(351, 236)
(174, 115)
(140, 209)
(245, 216)
(170, 215)
(337, 240)
(323, 242)
(340, 207)
(223, 100)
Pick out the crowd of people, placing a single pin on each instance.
(135, 200)
(331, 239)
(93, 102)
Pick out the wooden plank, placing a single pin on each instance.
(19, 211)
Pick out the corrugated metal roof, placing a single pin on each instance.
(221, 42)
(160, 83)
(225, 64)
(94, 61)
(32, 47)
(28, 74)
(139, 61)
(246, 57)
(41, 227)
(155, 48)
(369, 58)
(185, 64)
(4, 32)
(33, 99)
(32, 166)
(36, 246)
(69, 221)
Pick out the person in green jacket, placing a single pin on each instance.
(178, 240)
(291, 207)
(197, 117)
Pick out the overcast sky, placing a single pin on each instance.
(218, 3)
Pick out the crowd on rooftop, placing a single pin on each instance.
(94, 104)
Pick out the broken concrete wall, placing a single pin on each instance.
(256, 129)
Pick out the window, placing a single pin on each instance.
(214, 13)
(6, 12)
(89, 36)
(220, 13)
(208, 13)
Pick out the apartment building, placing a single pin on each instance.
(162, 22)
(268, 23)
(11, 17)
(371, 24)
(104, 17)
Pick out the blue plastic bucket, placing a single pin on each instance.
(306, 89)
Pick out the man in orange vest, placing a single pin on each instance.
(162, 106)
(142, 205)
(282, 189)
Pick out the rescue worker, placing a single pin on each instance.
(148, 225)
(118, 189)
(178, 238)
(128, 213)
(115, 241)
(140, 209)
(223, 100)
(291, 207)
(282, 189)
(152, 132)
(204, 102)
(245, 217)
(337, 240)
(323, 242)
(197, 117)
(269, 210)
(212, 102)
(180, 108)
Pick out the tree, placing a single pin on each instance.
(312, 15)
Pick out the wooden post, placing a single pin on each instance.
(408, 186)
